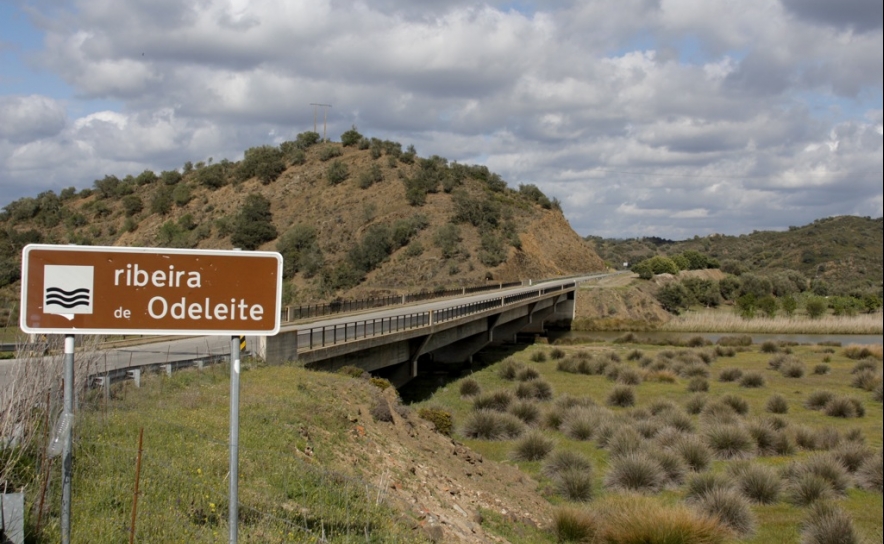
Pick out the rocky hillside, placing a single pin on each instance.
(357, 218)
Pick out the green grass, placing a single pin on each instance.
(776, 522)
(288, 489)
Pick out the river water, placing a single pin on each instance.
(607, 336)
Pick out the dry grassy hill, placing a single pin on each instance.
(352, 219)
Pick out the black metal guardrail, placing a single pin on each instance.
(294, 313)
(329, 335)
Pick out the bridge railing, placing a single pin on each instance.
(294, 313)
(329, 335)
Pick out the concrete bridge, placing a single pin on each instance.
(396, 341)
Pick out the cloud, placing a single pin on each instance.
(859, 15)
(662, 117)
(28, 118)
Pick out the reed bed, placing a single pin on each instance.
(731, 323)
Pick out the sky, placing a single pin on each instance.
(670, 118)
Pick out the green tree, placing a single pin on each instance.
(789, 305)
(746, 305)
(447, 238)
(181, 194)
(107, 186)
(146, 178)
(674, 297)
(161, 202)
(337, 172)
(768, 305)
(264, 162)
(294, 245)
(492, 251)
(132, 205)
(815, 307)
(253, 225)
(170, 177)
(351, 137)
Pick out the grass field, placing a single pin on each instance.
(725, 320)
(662, 402)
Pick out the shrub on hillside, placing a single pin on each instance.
(574, 524)
(469, 387)
(439, 417)
(777, 404)
(828, 524)
(492, 425)
(635, 472)
(622, 396)
(730, 508)
(532, 446)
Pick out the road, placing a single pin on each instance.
(188, 348)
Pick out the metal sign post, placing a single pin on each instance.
(233, 511)
(117, 290)
(68, 438)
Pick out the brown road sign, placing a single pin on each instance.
(112, 290)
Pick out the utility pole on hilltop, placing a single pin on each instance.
(324, 116)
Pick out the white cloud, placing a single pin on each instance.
(662, 117)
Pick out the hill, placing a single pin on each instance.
(838, 255)
(360, 217)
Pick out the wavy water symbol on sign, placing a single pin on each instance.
(68, 299)
(68, 289)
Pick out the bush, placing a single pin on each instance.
(869, 474)
(538, 357)
(532, 446)
(730, 375)
(852, 455)
(828, 524)
(527, 375)
(625, 441)
(792, 369)
(635, 472)
(752, 379)
(817, 400)
(777, 404)
(579, 423)
(805, 489)
(353, 371)
(492, 425)
(439, 417)
(497, 401)
(534, 389)
(845, 407)
(469, 387)
(560, 461)
(509, 368)
(703, 482)
(695, 404)
(825, 466)
(337, 172)
(730, 508)
(329, 152)
(380, 409)
(695, 453)
(253, 224)
(632, 520)
(698, 385)
(574, 485)
(821, 369)
(527, 411)
(758, 483)
(729, 441)
(674, 467)
(622, 396)
(574, 525)
(351, 137)
(737, 403)
(866, 379)
(769, 346)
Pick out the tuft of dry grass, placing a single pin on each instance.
(631, 519)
